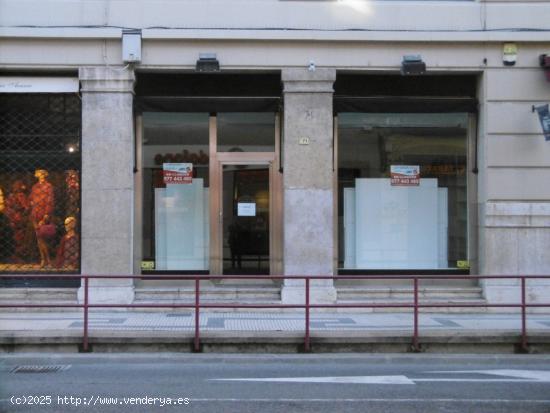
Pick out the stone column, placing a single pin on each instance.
(107, 181)
(308, 245)
(516, 236)
(514, 192)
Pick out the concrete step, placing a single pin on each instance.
(390, 282)
(260, 294)
(209, 294)
(361, 292)
(37, 296)
(468, 295)
(471, 305)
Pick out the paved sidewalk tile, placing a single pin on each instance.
(11, 322)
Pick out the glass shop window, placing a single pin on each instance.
(402, 191)
(40, 167)
(175, 191)
(246, 132)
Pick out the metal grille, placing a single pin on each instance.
(40, 369)
(40, 166)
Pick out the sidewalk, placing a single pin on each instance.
(256, 327)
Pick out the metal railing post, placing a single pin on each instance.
(307, 347)
(415, 345)
(196, 341)
(524, 345)
(85, 337)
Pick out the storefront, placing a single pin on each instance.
(208, 174)
(407, 174)
(292, 172)
(210, 167)
(40, 164)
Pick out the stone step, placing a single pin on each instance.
(426, 295)
(472, 305)
(37, 294)
(225, 293)
(256, 295)
(359, 293)
(387, 282)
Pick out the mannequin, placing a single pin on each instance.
(6, 247)
(67, 252)
(72, 182)
(42, 205)
(17, 212)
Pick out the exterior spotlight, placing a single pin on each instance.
(207, 63)
(412, 65)
(311, 66)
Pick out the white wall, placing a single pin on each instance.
(371, 15)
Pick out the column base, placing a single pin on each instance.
(497, 291)
(317, 295)
(107, 294)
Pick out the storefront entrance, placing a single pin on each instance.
(246, 216)
(211, 193)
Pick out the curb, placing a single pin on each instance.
(277, 342)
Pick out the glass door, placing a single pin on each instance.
(246, 194)
(246, 219)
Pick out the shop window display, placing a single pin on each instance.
(402, 186)
(39, 183)
(175, 200)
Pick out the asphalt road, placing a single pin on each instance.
(274, 383)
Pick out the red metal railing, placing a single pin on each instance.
(307, 306)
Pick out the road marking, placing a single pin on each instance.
(343, 379)
(526, 375)
(514, 376)
(477, 380)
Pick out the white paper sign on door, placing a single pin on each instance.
(246, 209)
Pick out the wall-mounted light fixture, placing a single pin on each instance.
(544, 61)
(544, 117)
(131, 46)
(412, 65)
(311, 66)
(207, 63)
(509, 54)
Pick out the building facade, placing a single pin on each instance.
(274, 137)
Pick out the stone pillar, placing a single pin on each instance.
(107, 181)
(308, 245)
(516, 237)
(514, 192)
